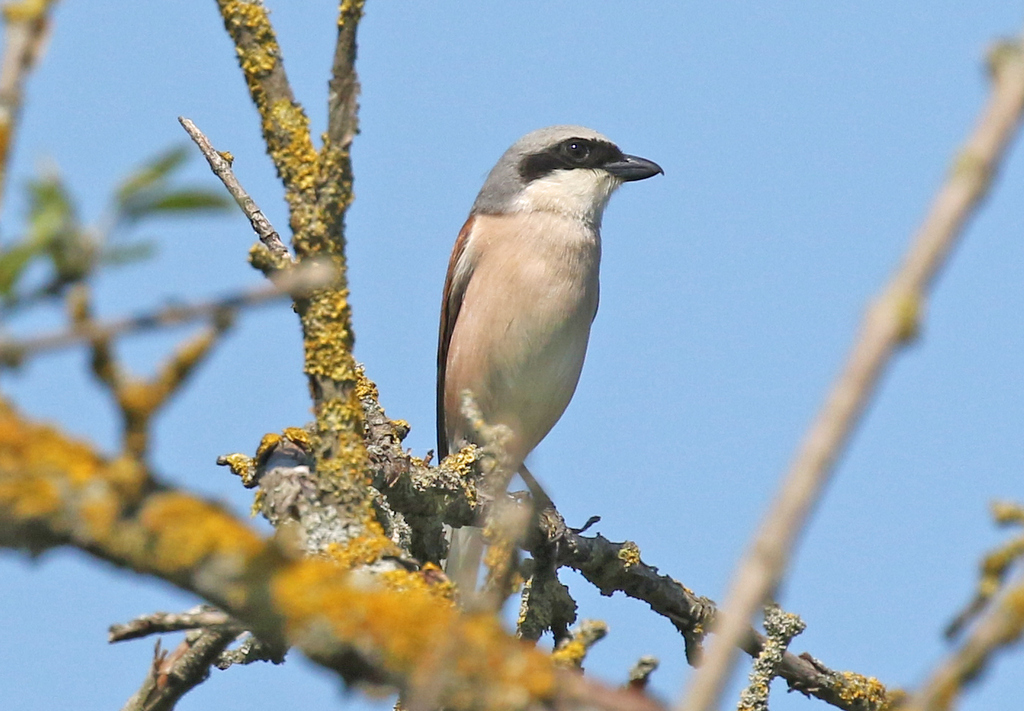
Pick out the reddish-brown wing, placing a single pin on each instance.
(451, 302)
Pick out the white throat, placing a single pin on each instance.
(580, 193)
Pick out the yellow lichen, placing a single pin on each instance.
(100, 514)
(859, 688)
(406, 630)
(571, 654)
(299, 436)
(363, 550)
(629, 554)
(366, 389)
(241, 466)
(187, 530)
(26, 10)
(30, 496)
(328, 336)
(267, 443)
(41, 470)
(260, 56)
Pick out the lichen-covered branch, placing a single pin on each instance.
(55, 491)
(891, 322)
(781, 627)
(26, 26)
(318, 188)
(284, 124)
(425, 496)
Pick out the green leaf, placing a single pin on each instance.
(12, 265)
(150, 175)
(128, 253)
(51, 212)
(189, 200)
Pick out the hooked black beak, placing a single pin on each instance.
(630, 168)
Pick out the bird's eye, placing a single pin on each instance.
(577, 151)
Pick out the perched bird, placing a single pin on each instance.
(520, 295)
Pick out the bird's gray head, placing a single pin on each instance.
(567, 169)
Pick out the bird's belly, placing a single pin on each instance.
(524, 364)
(531, 390)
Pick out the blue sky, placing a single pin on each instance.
(801, 143)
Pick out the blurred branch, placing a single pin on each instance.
(640, 674)
(1001, 626)
(16, 350)
(221, 167)
(997, 616)
(890, 323)
(994, 567)
(139, 400)
(387, 629)
(27, 26)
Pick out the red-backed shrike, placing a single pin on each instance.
(520, 295)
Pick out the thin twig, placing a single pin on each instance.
(221, 167)
(889, 323)
(173, 675)
(301, 279)
(250, 651)
(343, 88)
(27, 27)
(161, 622)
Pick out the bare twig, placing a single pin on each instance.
(173, 675)
(27, 27)
(160, 622)
(16, 350)
(221, 167)
(344, 85)
(250, 651)
(640, 674)
(890, 323)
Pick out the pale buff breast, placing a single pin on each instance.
(521, 335)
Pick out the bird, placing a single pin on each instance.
(520, 294)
